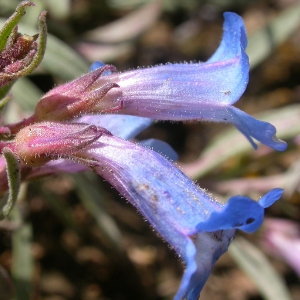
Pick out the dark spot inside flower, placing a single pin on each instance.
(218, 235)
(154, 198)
(249, 221)
(238, 224)
(194, 237)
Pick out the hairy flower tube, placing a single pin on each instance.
(186, 91)
(198, 227)
(37, 145)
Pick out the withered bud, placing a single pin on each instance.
(20, 54)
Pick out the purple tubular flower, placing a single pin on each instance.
(198, 227)
(198, 91)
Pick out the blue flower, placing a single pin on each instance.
(197, 226)
(198, 91)
(186, 91)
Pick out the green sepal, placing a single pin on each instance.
(3, 91)
(14, 181)
(41, 48)
(12, 22)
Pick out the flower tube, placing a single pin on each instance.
(181, 91)
(198, 227)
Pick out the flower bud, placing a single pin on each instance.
(41, 142)
(89, 94)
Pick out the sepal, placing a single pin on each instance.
(37, 144)
(88, 94)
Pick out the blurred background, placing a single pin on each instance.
(75, 238)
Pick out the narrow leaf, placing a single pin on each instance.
(259, 269)
(128, 27)
(26, 94)
(263, 42)
(93, 200)
(13, 177)
(22, 260)
(3, 101)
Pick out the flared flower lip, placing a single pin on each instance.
(198, 227)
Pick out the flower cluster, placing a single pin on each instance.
(72, 130)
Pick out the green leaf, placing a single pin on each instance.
(4, 90)
(128, 27)
(22, 260)
(259, 269)
(13, 177)
(263, 42)
(3, 101)
(26, 94)
(62, 61)
(93, 200)
(37, 57)
(42, 40)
